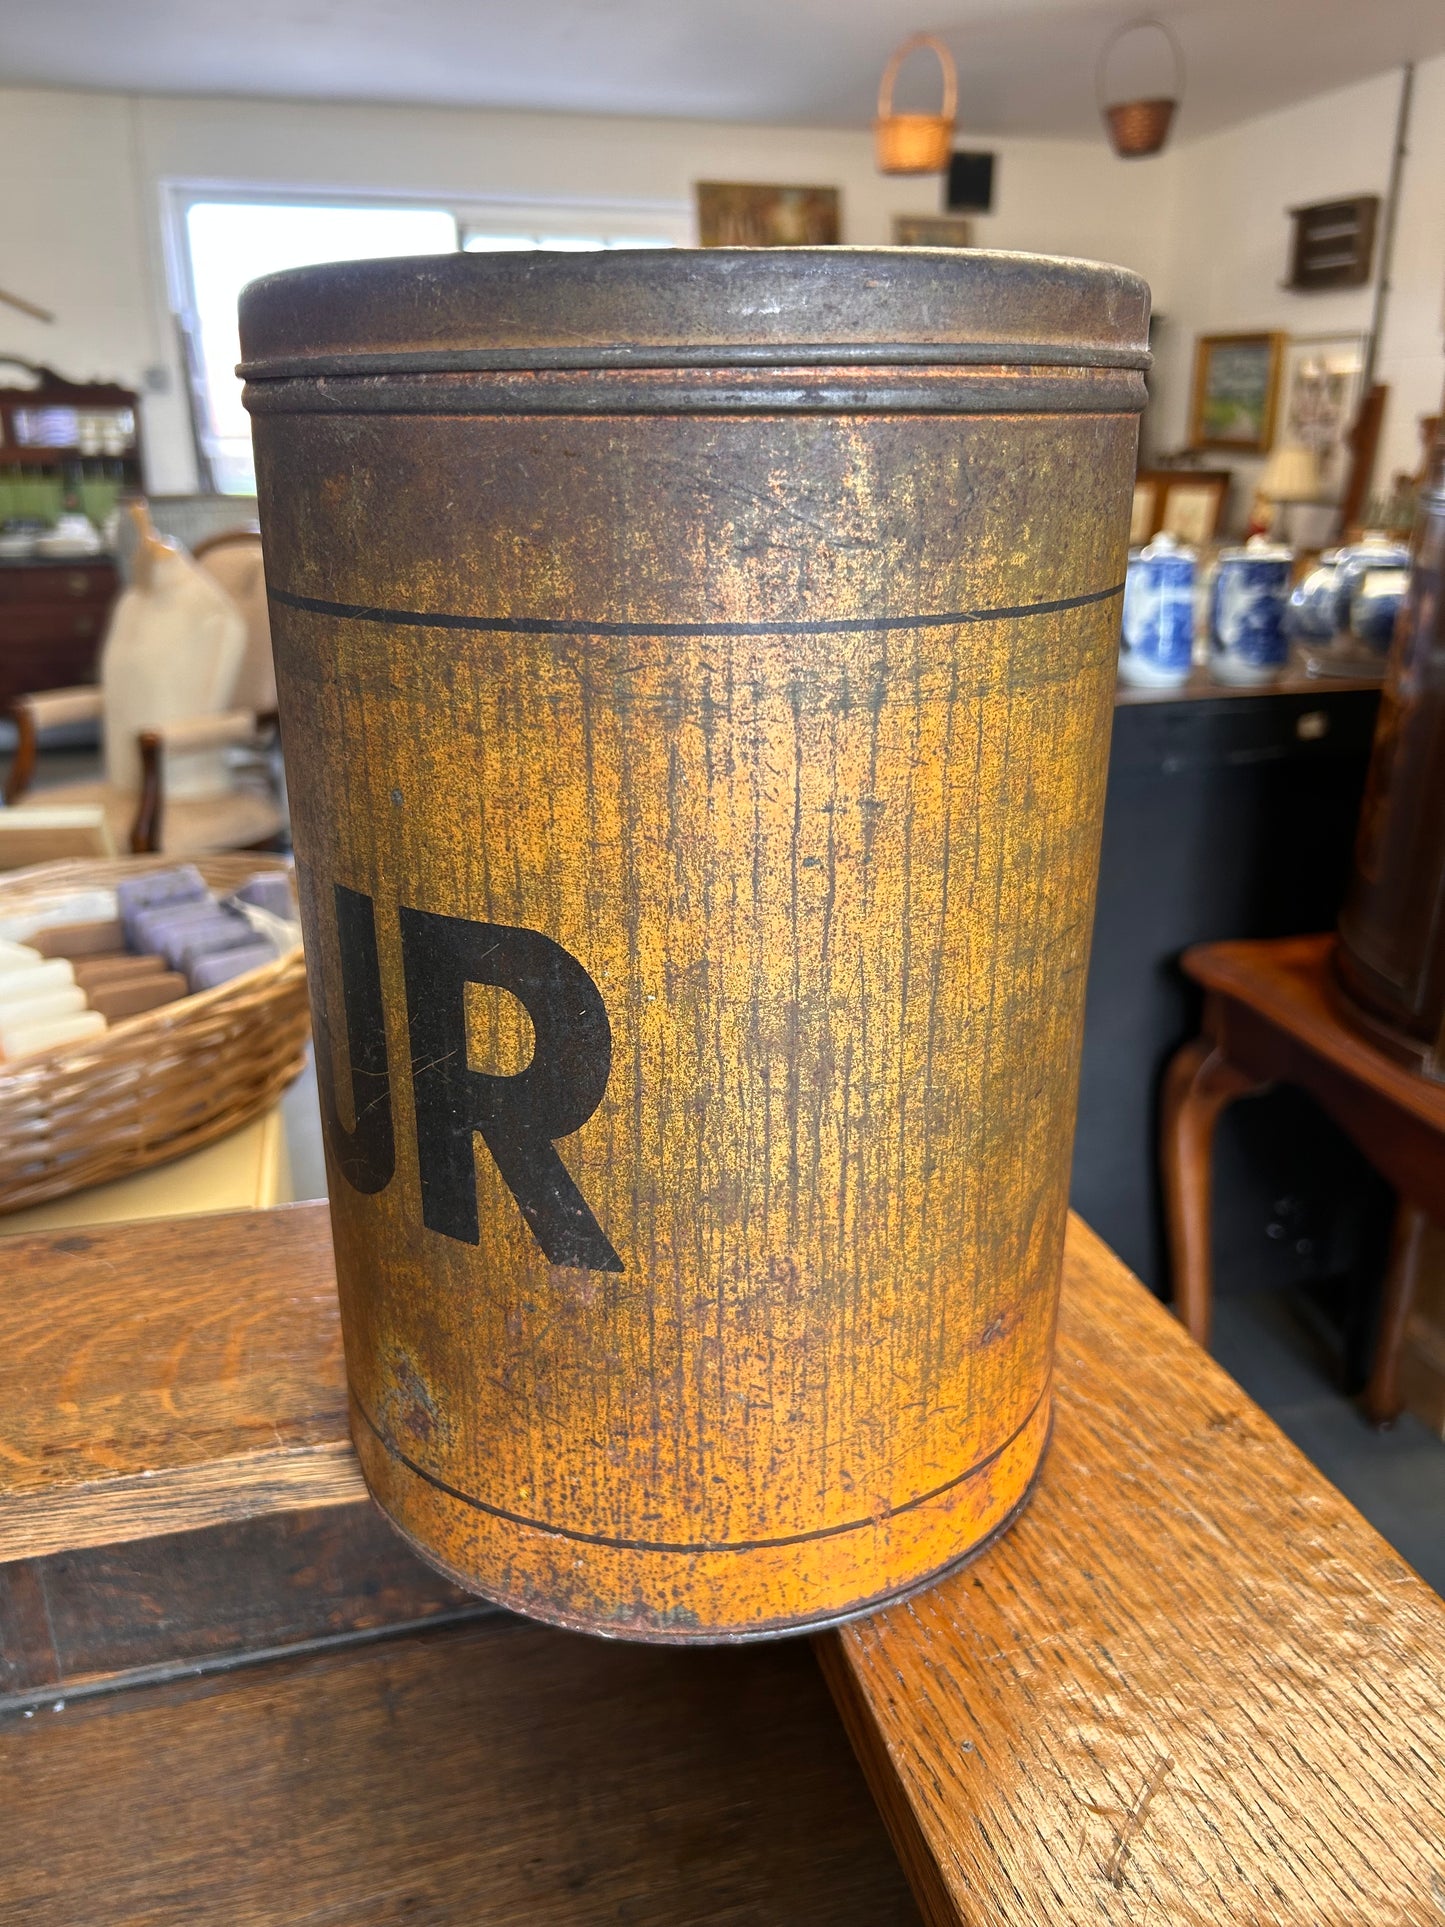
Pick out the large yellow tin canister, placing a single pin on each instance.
(696, 673)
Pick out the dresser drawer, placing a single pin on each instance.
(28, 624)
(62, 583)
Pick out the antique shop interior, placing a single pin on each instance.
(566, 1068)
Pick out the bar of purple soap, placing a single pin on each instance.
(210, 940)
(207, 972)
(136, 894)
(200, 938)
(270, 890)
(160, 928)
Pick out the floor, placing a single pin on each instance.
(1271, 1342)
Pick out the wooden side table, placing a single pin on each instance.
(1270, 1016)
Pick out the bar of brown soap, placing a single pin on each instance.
(117, 970)
(117, 1000)
(78, 939)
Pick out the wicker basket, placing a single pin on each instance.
(1138, 127)
(916, 143)
(155, 1086)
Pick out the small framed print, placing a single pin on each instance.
(931, 231)
(735, 214)
(1236, 386)
(1322, 392)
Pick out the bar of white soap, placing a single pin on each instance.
(61, 1002)
(27, 1040)
(17, 956)
(21, 986)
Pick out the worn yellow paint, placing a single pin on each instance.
(835, 885)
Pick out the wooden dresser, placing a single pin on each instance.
(52, 617)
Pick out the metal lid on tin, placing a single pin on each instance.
(693, 308)
(1256, 549)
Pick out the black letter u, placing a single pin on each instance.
(366, 1154)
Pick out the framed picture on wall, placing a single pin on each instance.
(1322, 388)
(931, 231)
(1236, 387)
(1187, 503)
(735, 214)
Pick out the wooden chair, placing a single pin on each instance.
(181, 784)
(233, 559)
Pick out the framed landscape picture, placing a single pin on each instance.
(734, 214)
(1236, 386)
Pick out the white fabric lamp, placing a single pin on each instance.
(1292, 474)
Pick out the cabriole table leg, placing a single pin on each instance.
(1199, 1083)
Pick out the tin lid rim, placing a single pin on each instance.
(657, 307)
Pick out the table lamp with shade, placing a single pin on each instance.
(1291, 475)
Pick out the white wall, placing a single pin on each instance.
(82, 179)
(1230, 246)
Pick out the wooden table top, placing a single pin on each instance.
(1190, 1685)
(1290, 982)
(1294, 680)
(169, 1375)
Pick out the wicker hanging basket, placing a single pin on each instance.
(152, 1087)
(916, 143)
(1139, 127)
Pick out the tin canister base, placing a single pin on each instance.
(618, 1589)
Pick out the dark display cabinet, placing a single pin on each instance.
(1228, 815)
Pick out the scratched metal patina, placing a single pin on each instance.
(696, 675)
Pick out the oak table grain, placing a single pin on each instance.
(1191, 1686)
(166, 1376)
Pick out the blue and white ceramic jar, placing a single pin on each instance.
(1375, 605)
(1355, 562)
(1157, 643)
(1247, 641)
(1311, 614)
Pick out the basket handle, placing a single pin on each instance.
(896, 60)
(1133, 26)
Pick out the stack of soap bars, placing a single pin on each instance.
(170, 936)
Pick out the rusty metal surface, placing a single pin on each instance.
(697, 808)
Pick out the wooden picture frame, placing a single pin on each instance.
(932, 231)
(1320, 397)
(737, 214)
(1187, 503)
(1236, 392)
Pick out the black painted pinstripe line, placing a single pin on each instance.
(545, 626)
(694, 1546)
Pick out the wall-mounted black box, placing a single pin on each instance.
(970, 184)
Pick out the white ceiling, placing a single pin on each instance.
(1027, 66)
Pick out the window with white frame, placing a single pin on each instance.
(221, 239)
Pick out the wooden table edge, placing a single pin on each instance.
(186, 1498)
